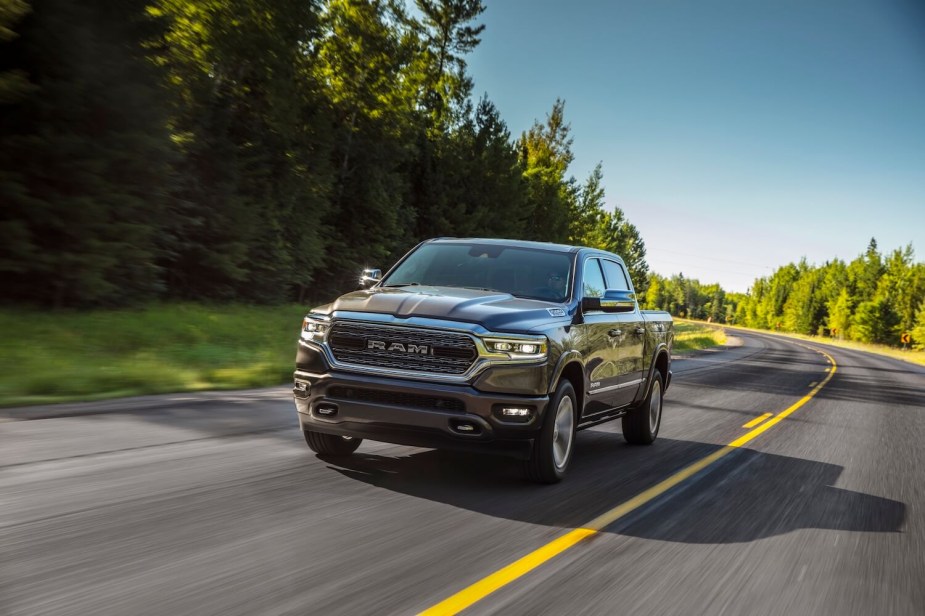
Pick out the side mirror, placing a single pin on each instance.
(613, 301)
(369, 277)
(590, 304)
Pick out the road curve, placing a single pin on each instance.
(212, 504)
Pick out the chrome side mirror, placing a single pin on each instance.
(613, 301)
(369, 277)
(618, 301)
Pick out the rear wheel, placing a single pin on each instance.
(331, 444)
(552, 450)
(640, 426)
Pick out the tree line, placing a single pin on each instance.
(261, 150)
(875, 298)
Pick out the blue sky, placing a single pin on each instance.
(737, 136)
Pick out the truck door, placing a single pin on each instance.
(599, 344)
(630, 342)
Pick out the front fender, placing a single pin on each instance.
(564, 360)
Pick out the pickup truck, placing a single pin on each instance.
(501, 346)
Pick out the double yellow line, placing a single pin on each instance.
(502, 577)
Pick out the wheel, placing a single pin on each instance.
(331, 444)
(640, 426)
(552, 450)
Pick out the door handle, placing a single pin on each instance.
(640, 330)
(614, 333)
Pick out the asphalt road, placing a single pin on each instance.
(212, 504)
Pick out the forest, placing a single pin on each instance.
(264, 151)
(261, 151)
(875, 298)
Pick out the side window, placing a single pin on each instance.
(616, 277)
(593, 279)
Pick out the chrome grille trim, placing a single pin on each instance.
(449, 353)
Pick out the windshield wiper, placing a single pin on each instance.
(402, 284)
(483, 289)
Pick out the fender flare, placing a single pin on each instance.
(565, 359)
(659, 349)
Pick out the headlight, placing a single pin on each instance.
(314, 328)
(516, 348)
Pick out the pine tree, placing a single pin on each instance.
(85, 156)
(545, 156)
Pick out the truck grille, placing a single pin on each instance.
(401, 348)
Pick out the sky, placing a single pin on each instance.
(737, 136)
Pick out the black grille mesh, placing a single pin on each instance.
(377, 396)
(447, 352)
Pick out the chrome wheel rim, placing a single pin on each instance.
(655, 407)
(563, 432)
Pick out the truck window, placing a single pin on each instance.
(522, 272)
(616, 277)
(593, 280)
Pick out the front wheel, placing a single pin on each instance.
(640, 426)
(552, 449)
(331, 444)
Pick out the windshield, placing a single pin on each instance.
(523, 272)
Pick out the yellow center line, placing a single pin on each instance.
(504, 576)
(757, 420)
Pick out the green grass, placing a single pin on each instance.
(693, 336)
(66, 356)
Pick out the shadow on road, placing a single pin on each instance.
(746, 496)
(856, 388)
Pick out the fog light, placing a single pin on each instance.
(464, 427)
(515, 412)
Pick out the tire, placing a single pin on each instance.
(640, 426)
(553, 448)
(330, 444)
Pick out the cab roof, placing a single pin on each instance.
(503, 242)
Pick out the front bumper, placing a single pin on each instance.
(420, 414)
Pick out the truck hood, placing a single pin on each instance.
(492, 310)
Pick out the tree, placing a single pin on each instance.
(840, 313)
(804, 310)
(447, 34)
(918, 331)
(251, 126)
(477, 179)
(623, 238)
(545, 156)
(875, 321)
(85, 156)
(586, 212)
(14, 81)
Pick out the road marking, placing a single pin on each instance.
(813, 384)
(757, 420)
(504, 576)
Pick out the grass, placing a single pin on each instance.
(693, 336)
(66, 356)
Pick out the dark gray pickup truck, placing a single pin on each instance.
(490, 345)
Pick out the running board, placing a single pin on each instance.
(602, 417)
